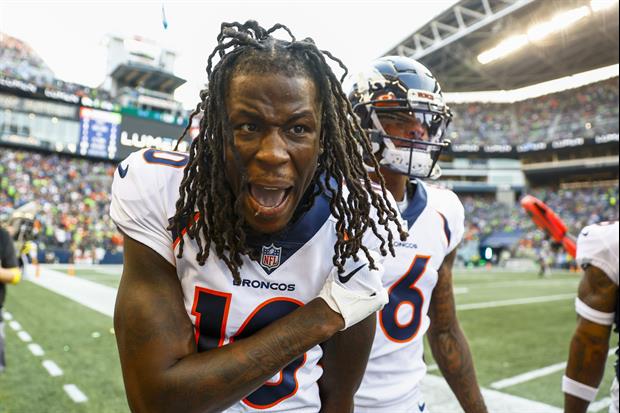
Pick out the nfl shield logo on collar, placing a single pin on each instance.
(270, 257)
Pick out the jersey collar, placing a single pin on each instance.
(417, 203)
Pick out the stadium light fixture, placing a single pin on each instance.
(538, 32)
(598, 5)
(504, 48)
(559, 22)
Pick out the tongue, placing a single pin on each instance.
(267, 197)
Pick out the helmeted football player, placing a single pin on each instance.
(400, 105)
(597, 306)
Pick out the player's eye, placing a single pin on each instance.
(299, 129)
(248, 127)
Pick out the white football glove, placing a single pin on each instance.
(358, 291)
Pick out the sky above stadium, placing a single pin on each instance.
(70, 36)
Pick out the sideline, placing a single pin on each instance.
(95, 296)
(440, 399)
(516, 301)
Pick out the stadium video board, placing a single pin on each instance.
(98, 133)
(137, 133)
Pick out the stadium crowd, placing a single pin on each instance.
(588, 111)
(577, 208)
(71, 197)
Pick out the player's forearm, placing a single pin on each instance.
(215, 379)
(343, 368)
(451, 352)
(586, 365)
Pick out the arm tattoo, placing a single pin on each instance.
(449, 345)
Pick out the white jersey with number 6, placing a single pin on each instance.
(435, 219)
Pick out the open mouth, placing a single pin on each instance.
(268, 200)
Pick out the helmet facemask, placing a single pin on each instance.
(417, 151)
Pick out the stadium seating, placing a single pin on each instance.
(588, 111)
(576, 207)
(73, 197)
(19, 61)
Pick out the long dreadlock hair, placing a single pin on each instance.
(249, 48)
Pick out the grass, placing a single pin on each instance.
(77, 339)
(505, 341)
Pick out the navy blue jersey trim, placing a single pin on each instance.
(446, 228)
(292, 238)
(417, 203)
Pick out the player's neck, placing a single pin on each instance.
(395, 183)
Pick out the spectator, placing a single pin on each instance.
(9, 274)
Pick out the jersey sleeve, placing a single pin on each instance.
(597, 245)
(144, 192)
(452, 211)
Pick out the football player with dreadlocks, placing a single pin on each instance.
(401, 106)
(245, 259)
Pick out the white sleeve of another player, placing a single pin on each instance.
(139, 204)
(450, 206)
(597, 245)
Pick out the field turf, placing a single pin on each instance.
(516, 323)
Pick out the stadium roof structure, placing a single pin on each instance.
(140, 75)
(452, 43)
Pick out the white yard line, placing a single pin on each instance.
(599, 405)
(15, 325)
(530, 375)
(36, 349)
(7, 316)
(534, 374)
(515, 301)
(95, 296)
(24, 336)
(52, 368)
(74, 393)
(525, 283)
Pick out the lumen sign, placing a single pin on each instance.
(137, 133)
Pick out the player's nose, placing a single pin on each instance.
(273, 148)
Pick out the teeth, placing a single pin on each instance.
(268, 197)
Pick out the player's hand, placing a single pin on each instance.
(358, 291)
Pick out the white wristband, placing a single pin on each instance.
(596, 316)
(583, 391)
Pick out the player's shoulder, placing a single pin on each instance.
(152, 162)
(603, 235)
(149, 169)
(443, 199)
(598, 245)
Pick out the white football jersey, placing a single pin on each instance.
(292, 270)
(435, 219)
(598, 245)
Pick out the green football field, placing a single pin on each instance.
(518, 326)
